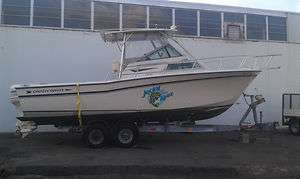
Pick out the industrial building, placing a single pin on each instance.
(53, 41)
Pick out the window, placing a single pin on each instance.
(16, 12)
(164, 52)
(180, 66)
(172, 51)
(234, 17)
(186, 21)
(134, 16)
(77, 14)
(234, 26)
(256, 27)
(277, 28)
(160, 54)
(160, 17)
(210, 24)
(47, 13)
(106, 15)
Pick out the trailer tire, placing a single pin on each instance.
(126, 135)
(96, 136)
(294, 127)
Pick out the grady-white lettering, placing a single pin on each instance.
(59, 90)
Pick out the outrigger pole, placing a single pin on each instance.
(122, 55)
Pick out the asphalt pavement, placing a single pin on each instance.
(212, 155)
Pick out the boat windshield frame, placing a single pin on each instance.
(166, 49)
(142, 34)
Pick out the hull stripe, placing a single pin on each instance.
(137, 86)
(250, 73)
(177, 115)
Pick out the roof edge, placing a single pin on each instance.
(204, 6)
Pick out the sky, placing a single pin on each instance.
(282, 5)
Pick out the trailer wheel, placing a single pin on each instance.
(95, 136)
(126, 135)
(294, 127)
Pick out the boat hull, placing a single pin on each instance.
(177, 97)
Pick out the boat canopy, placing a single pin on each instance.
(138, 34)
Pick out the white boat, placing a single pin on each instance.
(163, 84)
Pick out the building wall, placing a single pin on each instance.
(49, 56)
(293, 27)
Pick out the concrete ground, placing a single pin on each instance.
(61, 155)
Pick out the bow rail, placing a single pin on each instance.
(259, 62)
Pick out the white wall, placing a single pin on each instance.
(293, 27)
(47, 56)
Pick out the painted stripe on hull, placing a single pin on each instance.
(252, 72)
(194, 114)
(196, 77)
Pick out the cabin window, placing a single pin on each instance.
(186, 21)
(180, 66)
(172, 51)
(277, 28)
(164, 52)
(141, 70)
(160, 54)
(134, 16)
(256, 27)
(160, 17)
(210, 24)
(15, 12)
(106, 15)
(47, 13)
(77, 14)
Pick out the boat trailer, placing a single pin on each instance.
(25, 128)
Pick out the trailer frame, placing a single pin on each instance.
(123, 129)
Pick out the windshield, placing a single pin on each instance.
(172, 51)
(160, 54)
(166, 51)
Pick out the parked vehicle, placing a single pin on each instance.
(291, 112)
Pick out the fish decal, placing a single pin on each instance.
(156, 96)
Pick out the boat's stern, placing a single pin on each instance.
(23, 128)
(15, 100)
